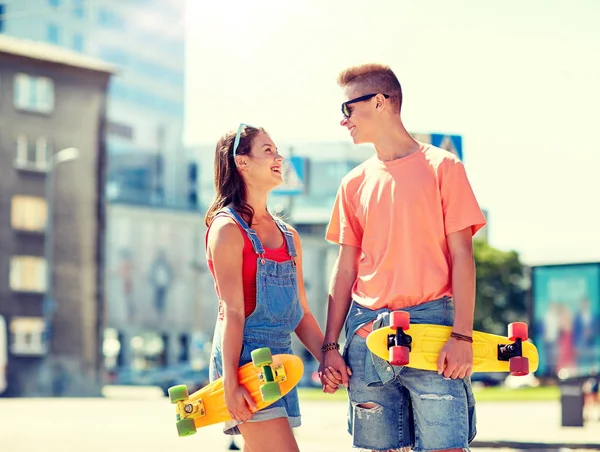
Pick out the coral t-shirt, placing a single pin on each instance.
(399, 214)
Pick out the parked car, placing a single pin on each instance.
(181, 374)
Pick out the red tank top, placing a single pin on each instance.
(249, 266)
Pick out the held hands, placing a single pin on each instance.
(456, 359)
(239, 401)
(333, 371)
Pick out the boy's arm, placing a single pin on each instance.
(340, 294)
(460, 245)
(456, 358)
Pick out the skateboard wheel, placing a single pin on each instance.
(518, 330)
(270, 391)
(519, 365)
(262, 357)
(186, 427)
(399, 355)
(178, 393)
(399, 319)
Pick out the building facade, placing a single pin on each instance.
(160, 300)
(52, 155)
(145, 39)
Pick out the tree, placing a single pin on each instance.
(501, 289)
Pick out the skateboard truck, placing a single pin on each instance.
(399, 339)
(399, 343)
(513, 352)
(268, 374)
(273, 373)
(508, 351)
(187, 409)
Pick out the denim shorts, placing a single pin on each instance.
(266, 414)
(288, 406)
(416, 408)
(285, 407)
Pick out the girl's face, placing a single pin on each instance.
(263, 165)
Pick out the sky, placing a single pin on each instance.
(518, 80)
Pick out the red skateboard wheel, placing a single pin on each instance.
(519, 365)
(399, 319)
(399, 355)
(518, 330)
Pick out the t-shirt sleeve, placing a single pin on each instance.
(344, 228)
(461, 209)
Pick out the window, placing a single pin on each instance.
(110, 19)
(2, 13)
(144, 67)
(27, 336)
(78, 8)
(120, 130)
(53, 34)
(28, 274)
(142, 98)
(34, 93)
(33, 155)
(114, 55)
(78, 42)
(28, 213)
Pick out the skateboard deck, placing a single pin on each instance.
(420, 346)
(267, 381)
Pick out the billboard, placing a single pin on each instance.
(566, 318)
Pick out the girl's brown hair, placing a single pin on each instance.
(229, 185)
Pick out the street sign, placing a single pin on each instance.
(294, 175)
(451, 143)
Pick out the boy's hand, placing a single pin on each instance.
(333, 371)
(456, 359)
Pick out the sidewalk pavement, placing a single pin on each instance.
(133, 420)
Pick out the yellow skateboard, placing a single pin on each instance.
(419, 345)
(267, 378)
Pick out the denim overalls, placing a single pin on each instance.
(277, 314)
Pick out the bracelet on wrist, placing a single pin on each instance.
(461, 337)
(330, 346)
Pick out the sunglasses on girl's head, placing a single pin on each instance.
(238, 136)
(346, 111)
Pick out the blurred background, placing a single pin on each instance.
(110, 112)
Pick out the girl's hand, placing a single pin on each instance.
(239, 403)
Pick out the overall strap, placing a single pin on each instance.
(289, 238)
(251, 233)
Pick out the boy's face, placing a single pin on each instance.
(362, 121)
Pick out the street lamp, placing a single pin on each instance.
(62, 156)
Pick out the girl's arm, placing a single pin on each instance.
(225, 249)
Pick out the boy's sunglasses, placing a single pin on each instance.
(238, 136)
(346, 111)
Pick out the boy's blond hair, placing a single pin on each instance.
(373, 78)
